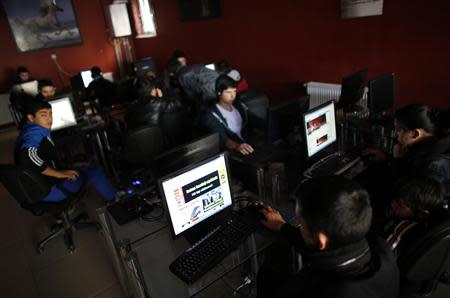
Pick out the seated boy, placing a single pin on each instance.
(228, 117)
(47, 90)
(35, 150)
(418, 204)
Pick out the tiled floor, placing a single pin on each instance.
(55, 273)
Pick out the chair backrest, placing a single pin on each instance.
(142, 144)
(429, 257)
(26, 186)
(176, 127)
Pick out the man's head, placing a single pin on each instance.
(46, 88)
(226, 89)
(149, 87)
(96, 72)
(416, 197)
(415, 122)
(23, 73)
(39, 112)
(180, 56)
(334, 212)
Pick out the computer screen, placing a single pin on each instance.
(30, 88)
(86, 76)
(320, 128)
(143, 66)
(382, 94)
(187, 154)
(196, 193)
(63, 115)
(352, 88)
(211, 66)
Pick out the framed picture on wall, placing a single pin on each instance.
(199, 9)
(43, 24)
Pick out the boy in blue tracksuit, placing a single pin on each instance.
(35, 150)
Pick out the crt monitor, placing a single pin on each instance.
(285, 119)
(352, 89)
(86, 76)
(320, 128)
(382, 94)
(62, 110)
(196, 193)
(143, 66)
(187, 154)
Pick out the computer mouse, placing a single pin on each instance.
(253, 209)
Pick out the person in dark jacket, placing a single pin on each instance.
(36, 150)
(101, 89)
(228, 117)
(152, 104)
(23, 75)
(423, 147)
(334, 217)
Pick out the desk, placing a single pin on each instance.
(141, 253)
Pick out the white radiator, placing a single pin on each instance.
(323, 92)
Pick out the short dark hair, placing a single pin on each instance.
(178, 54)
(21, 69)
(336, 206)
(223, 67)
(34, 105)
(95, 71)
(45, 83)
(419, 193)
(419, 116)
(224, 82)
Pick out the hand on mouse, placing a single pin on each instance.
(274, 221)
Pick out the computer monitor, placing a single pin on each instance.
(62, 110)
(86, 76)
(196, 193)
(143, 66)
(187, 154)
(285, 119)
(30, 88)
(352, 89)
(320, 128)
(382, 94)
(211, 66)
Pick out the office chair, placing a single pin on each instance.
(29, 188)
(142, 144)
(427, 262)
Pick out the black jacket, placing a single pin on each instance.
(149, 110)
(198, 81)
(365, 269)
(430, 157)
(214, 122)
(103, 90)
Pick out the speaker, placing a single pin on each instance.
(120, 22)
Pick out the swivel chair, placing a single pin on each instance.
(176, 128)
(142, 144)
(427, 262)
(29, 188)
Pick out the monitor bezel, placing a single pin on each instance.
(61, 96)
(305, 132)
(182, 171)
(362, 73)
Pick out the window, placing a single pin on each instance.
(143, 18)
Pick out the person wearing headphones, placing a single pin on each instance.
(228, 117)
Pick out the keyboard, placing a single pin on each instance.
(334, 164)
(212, 249)
(259, 155)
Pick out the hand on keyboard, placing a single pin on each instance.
(245, 149)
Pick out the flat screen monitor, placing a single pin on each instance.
(285, 119)
(86, 76)
(187, 154)
(320, 128)
(382, 94)
(196, 193)
(211, 66)
(352, 89)
(30, 88)
(63, 115)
